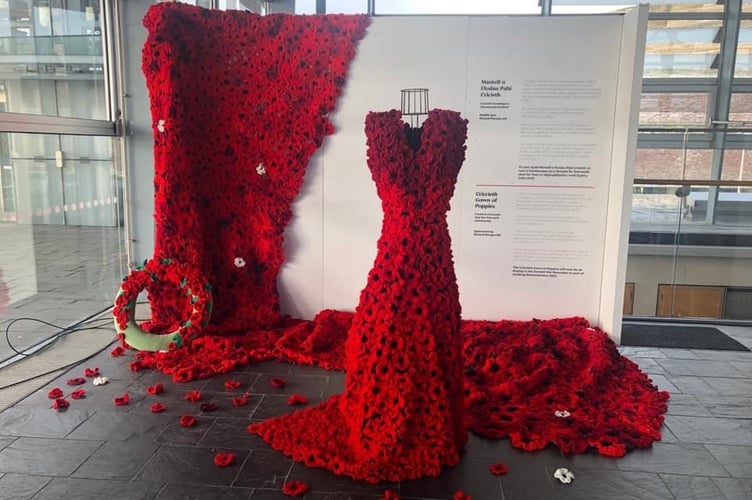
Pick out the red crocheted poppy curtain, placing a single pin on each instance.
(239, 104)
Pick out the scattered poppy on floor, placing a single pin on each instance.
(136, 366)
(60, 404)
(122, 400)
(498, 469)
(157, 408)
(78, 394)
(224, 459)
(76, 381)
(193, 396)
(564, 475)
(278, 383)
(241, 401)
(297, 399)
(461, 495)
(187, 421)
(295, 488)
(389, 495)
(117, 352)
(55, 393)
(232, 384)
(91, 372)
(155, 389)
(207, 407)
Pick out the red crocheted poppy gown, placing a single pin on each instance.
(401, 415)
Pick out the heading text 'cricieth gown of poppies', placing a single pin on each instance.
(401, 415)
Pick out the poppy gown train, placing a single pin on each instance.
(402, 414)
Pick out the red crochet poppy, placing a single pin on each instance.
(232, 384)
(193, 396)
(278, 383)
(241, 401)
(78, 394)
(155, 389)
(76, 381)
(136, 366)
(297, 399)
(208, 407)
(224, 459)
(187, 421)
(389, 495)
(461, 495)
(122, 400)
(157, 408)
(498, 469)
(60, 404)
(117, 352)
(91, 372)
(295, 488)
(55, 393)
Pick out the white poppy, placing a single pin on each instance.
(564, 475)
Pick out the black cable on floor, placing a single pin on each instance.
(63, 330)
(49, 372)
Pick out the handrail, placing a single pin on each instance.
(692, 182)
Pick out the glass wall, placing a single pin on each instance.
(63, 250)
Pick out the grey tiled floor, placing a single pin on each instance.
(95, 450)
(60, 274)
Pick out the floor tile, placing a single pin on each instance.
(335, 385)
(91, 489)
(120, 425)
(737, 460)
(471, 477)
(177, 435)
(733, 387)
(264, 469)
(649, 365)
(679, 353)
(231, 433)
(117, 460)
(193, 492)
(217, 384)
(687, 404)
(663, 383)
(641, 352)
(326, 481)
(48, 457)
(270, 367)
(273, 405)
(41, 421)
(734, 489)
(692, 487)
(699, 368)
(591, 484)
(711, 430)
(21, 486)
(310, 386)
(723, 355)
(697, 386)
(185, 465)
(680, 458)
(527, 483)
(5, 441)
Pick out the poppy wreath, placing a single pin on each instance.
(195, 293)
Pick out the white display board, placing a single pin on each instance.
(535, 214)
(540, 216)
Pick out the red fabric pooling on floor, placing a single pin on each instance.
(231, 144)
(401, 415)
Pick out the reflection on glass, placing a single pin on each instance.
(673, 109)
(656, 163)
(603, 6)
(62, 254)
(52, 58)
(741, 107)
(682, 48)
(743, 66)
(737, 166)
(453, 7)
